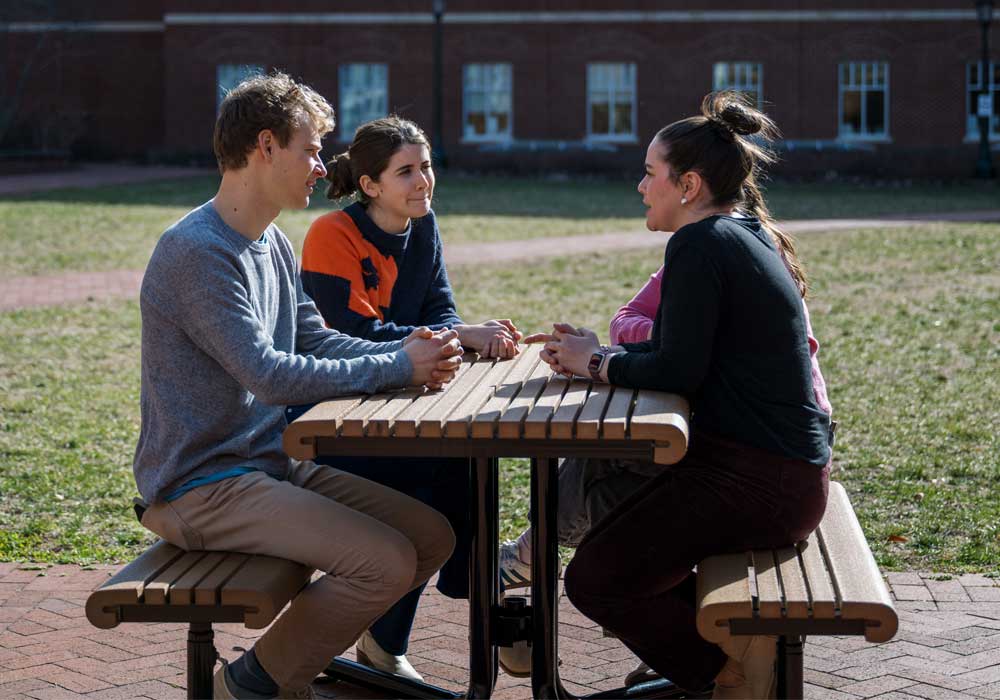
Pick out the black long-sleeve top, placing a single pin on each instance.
(730, 335)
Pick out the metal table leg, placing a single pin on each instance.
(483, 577)
(545, 683)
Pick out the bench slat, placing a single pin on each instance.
(209, 589)
(509, 425)
(793, 584)
(157, 589)
(485, 422)
(768, 589)
(280, 578)
(564, 419)
(863, 593)
(588, 424)
(723, 593)
(127, 586)
(615, 421)
(182, 591)
(822, 597)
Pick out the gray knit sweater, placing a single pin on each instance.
(229, 338)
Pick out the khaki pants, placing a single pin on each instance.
(373, 544)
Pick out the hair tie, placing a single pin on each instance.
(723, 128)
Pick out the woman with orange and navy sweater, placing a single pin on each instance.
(375, 270)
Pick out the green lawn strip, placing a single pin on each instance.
(907, 321)
(107, 228)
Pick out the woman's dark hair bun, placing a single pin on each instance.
(340, 175)
(732, 111)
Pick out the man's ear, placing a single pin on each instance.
(266, 143)
(368, 186)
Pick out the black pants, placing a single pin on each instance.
(633, 572)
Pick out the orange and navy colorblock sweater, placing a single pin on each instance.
(377, 285)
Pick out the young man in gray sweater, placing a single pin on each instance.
(229, 338)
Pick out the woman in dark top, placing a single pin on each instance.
(731, 337)
(375, 270)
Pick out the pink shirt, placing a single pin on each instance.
(634, 321)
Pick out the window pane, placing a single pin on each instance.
(473, 76)
(851, 118)
(599, 119)
(623, 118)
(229, 75)
(995, 120)
(475, 124)
(720, 76)
(597, 77)
(875, 112)
(995, 78)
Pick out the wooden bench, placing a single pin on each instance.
(826, 585)
(167, 584)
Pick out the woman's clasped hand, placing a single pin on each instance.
(567, 349)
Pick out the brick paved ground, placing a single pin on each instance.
(948, 646)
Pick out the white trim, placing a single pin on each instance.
(203, 18)
(707, 16)
(622, 17)
(37, 27)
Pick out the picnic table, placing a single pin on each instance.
(494, 409)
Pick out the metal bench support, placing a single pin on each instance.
(201, 657)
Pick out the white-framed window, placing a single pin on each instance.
(973, 89)
(229, 75)
(364, 95)
(611, 101)
(741, 76)
(864, 100)
(486, 101)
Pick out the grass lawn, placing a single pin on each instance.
(107, 228)
(907, 320)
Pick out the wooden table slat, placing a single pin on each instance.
(536, 423)
(209, 589)
(563, 423)
(662, 418)
(613, 427)
(588, 424)
(458, 422)
(322, 420)
(355, 421)
(509, 425)
(485, 422)
(407, 423)
(382, 422)
(432, 422)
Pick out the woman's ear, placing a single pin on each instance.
(692, 185)
(368, 186)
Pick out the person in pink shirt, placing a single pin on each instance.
(634, 323)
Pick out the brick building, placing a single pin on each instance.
(885, 87)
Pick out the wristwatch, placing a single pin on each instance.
(596, 360)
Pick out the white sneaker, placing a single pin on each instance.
(372, 655)
(514, 572)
